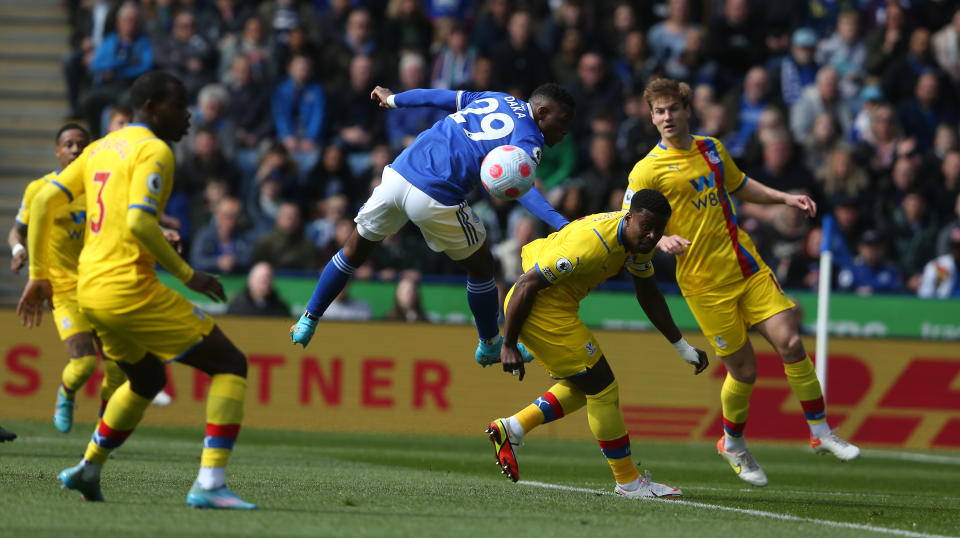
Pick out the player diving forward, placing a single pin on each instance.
(429, 182)
(128, 177)
(724, 280)
(66, 238)
(541, 310)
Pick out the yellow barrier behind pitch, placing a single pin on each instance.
(422, 378)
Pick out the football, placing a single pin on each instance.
(507, 172)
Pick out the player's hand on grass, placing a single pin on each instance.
(511, 360)
(302, 331)
(208, 285)
(30, 306)
(381, 94)
(803, 203)
(673, 244)
(691, 355)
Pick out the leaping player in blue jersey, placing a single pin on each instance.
(428, 183)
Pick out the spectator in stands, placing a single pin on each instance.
(781, 170)
(259, 297)
(203, 160)
(877, 148)
(602, 174)
(744, 107)
(846, 52)
(356, 122)
(120, 116)
(842, 176)
(407, 26)
(359, 39)
(188, 55)
(299, 113)
(946, 48)
(346, 308)
(911, 231)
(888, 41)
(330, 177)
(822, 98)
(404, 124)
(518, 60)
(220, 246)
(947, 189)
(941, 275)
(211, 113)
(798, 70)
(633, 65)
(870, 97)
(491, 26)
(253, 45)
(943, 237)
(333, 21)
(921, 114)
(88, 27)
(871, 271)
(900, 77)
(406, 301)
(284, 17)
(122, 56)
(322, 227)
(298, 43)
(507, 251)
(820, 142)
(736, 40)
(694, 65)
(667, 38)
(249, 111)
(848, 213)
(454, 62)
(569, 15)
(286, 246)
(232, 16)
(565, 60)
(594, 89)
(893, 187)
(636, 135)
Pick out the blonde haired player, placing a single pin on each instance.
(724, 280)
(541, 311)
(128, 177)
(66, 241)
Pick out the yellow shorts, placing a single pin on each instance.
(167, 325)
(67, 317)
(725, 313)
(558, 339)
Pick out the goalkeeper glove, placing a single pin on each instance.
(302, 331)
(691, 355)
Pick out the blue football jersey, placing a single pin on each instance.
(444, 161)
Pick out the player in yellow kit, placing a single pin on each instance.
(725, 282)
(541, 311)
(128, 177)
(66, 240)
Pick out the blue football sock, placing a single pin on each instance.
(484, 302)
(332, 281)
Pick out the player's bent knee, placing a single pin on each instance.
(147, 377)
(793, 350)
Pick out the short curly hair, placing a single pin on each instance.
(651, 200)
(556, 93)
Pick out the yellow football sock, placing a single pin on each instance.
(735, 400)
(123, 413)
(562, 399)
(606, 423)
(77, 372)
(224, 415)
(113, 377)
(803, 380)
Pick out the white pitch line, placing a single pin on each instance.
(823, 493)
(760, 513)
(911, 456)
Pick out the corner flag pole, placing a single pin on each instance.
(823, 300)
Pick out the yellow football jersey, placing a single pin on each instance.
(583, 255)
(66, 236)
(697, 183)
(128, 170)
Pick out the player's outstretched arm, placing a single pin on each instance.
(655, 307)
(535, 203)
(443, 99)
(524, 294)
(758, 193)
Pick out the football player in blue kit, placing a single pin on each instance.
(428, 183)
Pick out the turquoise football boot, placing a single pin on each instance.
(488, 354)
(72, 478)
(220, 498)
(63, 417)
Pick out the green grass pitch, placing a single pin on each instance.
(356, 485)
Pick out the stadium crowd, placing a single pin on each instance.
(854, 102)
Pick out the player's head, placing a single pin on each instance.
(644, 224)
(71, 139)
(669, 103)
(120, 117)
(159, 101)
(553, 110)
